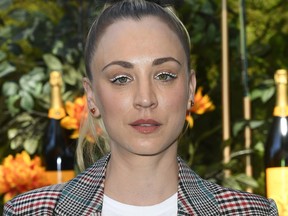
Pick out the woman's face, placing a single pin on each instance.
(141, 86)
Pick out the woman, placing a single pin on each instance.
(139, 87)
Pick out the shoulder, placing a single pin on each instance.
(80, 194)
(232, 201)
(40, 201)
(214, 198)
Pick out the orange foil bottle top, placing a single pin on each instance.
(56, 110)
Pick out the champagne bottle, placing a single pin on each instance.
(58, 153)
(276, 150)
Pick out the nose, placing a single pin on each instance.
(145, 95)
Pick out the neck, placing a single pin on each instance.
(142, 180)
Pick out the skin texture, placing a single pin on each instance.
(140, 73)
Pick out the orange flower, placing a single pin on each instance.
(75, 113)
(20, 174)
(190, 120)
(202, 104)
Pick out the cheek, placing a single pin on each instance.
(176, 100)
(110, 103)
(175, 113)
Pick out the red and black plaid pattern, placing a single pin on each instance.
(197, 196)
(84, 196)
(37, 202)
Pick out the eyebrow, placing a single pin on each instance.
(160, 61)
(129, 65)
(123, 64)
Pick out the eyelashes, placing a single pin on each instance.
(162, 76)
(121, 79)
(166, 76)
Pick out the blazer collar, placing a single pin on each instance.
(84, 194)
(194, 194)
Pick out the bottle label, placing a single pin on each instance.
(277, 187)
(57, 177)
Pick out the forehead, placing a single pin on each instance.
(146, 36)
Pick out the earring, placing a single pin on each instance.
(93, 110)
(192, 103)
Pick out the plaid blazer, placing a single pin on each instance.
(83, 195)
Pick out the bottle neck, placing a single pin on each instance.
(281, 107)
(56, 110)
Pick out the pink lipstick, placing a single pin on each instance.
(145, 126)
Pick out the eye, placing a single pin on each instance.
(165, 76)
(121, 79)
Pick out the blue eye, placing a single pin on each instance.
(121, 79)
(165, 76)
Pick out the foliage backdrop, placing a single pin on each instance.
(39, 36)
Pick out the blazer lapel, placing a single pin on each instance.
(84, 194)
(194, 196)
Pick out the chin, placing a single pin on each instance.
(152, 151)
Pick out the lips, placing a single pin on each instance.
(145, 126)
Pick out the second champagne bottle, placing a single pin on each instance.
(276, 150)
(58, 149)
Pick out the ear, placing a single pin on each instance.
(92, 107)
(192, 88)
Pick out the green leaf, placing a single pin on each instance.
(16, 143)
(68, 96)
(267, 94)
(19, 14)
(26, 101)
(31, 144)
(256, 93)
(58, 46)
(6, 68)
(31, 83)
(10, 88)
(81, 68)
(246, 180)
(29, 32)
(259, 147)
(24, 80)
(5, 4)
(256, 123)
(24, 117)
(5, 31)
(37, 90)
(45, 96)
(269, 82)
(11, 104)
(52, 62)
(239, 126)
(231, 182)
(37, 74)
(46, 88)
(71, 76)
(12, 133)
(2, 55)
